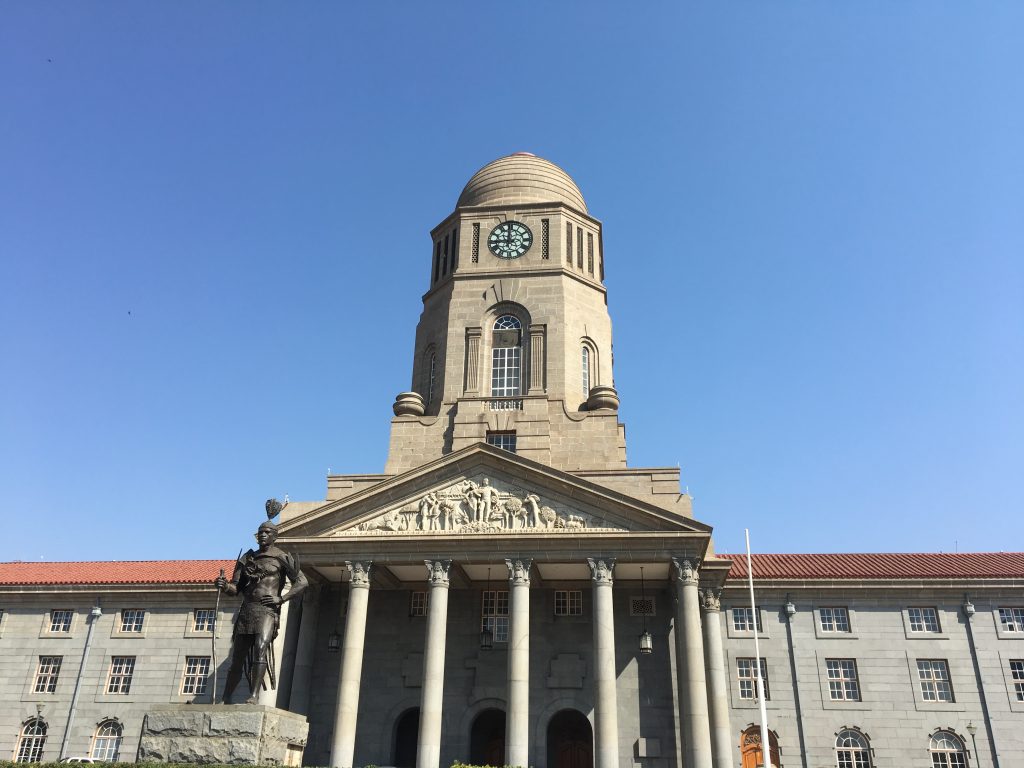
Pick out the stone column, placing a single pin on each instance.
(606, 708)
(693, 697)
(268, 695)
(346, 711)
(428, 750)
(517, 729)
(718, 691)
(305, 650)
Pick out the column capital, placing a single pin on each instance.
(437, 572)
(519, 570)
(359, 573)
(711, 599)
(601, 569)
(686, 569)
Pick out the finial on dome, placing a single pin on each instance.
(523, 154)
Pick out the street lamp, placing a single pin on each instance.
(973, 729)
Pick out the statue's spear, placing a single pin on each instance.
(213, 642)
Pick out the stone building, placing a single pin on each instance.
(509, 591)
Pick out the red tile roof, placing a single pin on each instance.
(114, 572)
(929, 565)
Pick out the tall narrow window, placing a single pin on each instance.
(585, 366)
(590, 252)
(1017, 674)
(47, 673)
(494, 614)
(121, 670)
(444, 258)
(476, 243)
(431, 377)
(579, 248)
(437, 260)
(544, 252)
(568, 243)
(193, 679)
(106, 744)
(455, 248)
(31, 741)
(506, 357)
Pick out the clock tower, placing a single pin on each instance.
(514, 345)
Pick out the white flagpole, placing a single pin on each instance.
(766, 740)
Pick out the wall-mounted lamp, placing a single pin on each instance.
(968, 607)
(333, 642)
(789, 608)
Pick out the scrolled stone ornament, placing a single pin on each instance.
(519, 571)
(437, 571)
(359, 572)
(601, 569)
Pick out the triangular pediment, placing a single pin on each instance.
(482, 490)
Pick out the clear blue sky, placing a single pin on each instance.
(214, 228)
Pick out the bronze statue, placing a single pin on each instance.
(259, 576)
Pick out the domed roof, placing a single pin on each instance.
(521, 178)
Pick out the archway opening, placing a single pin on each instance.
(570, 740)
(487, 738)
(751, 751)
(407, 732)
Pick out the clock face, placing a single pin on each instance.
(510, 240)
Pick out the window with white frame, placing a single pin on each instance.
(834, 619)
(418, 603)
(193, 679)
(106, 743)
(132, 619)
(505, 440)
(743, 619)
(585, 369)
(1017, 675)
(60, 619)
(923, 619)
(568, 602)
(31, 741)
(121, 670)
(47, 673)
(202, 620)
(746, 674)
(1011, 619)
(934, 677)
(494, 614)
(842, 679)
(852, 750)
(506, 356)
(947, 750)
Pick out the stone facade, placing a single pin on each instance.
(487, 598)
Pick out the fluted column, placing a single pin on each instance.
(718, 691)
(428, 752)
(696, 730)
(517, 728)
(346, 711)
(305, 650)
(606, 709)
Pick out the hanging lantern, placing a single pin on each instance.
(646, 641)
(333, 642)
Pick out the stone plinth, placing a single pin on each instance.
(251, 734)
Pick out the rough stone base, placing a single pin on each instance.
(242, 734)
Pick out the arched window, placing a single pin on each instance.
(585, 365)
(431, 377)
(106, 744)
(852, 750)
(31, 741)
(947, 750)
(506, 356)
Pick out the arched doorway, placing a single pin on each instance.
(570, 740)
(407, 732)
(750, 748)
(487, 738)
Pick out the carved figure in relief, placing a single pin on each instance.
(575, 521)
(532, 513)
